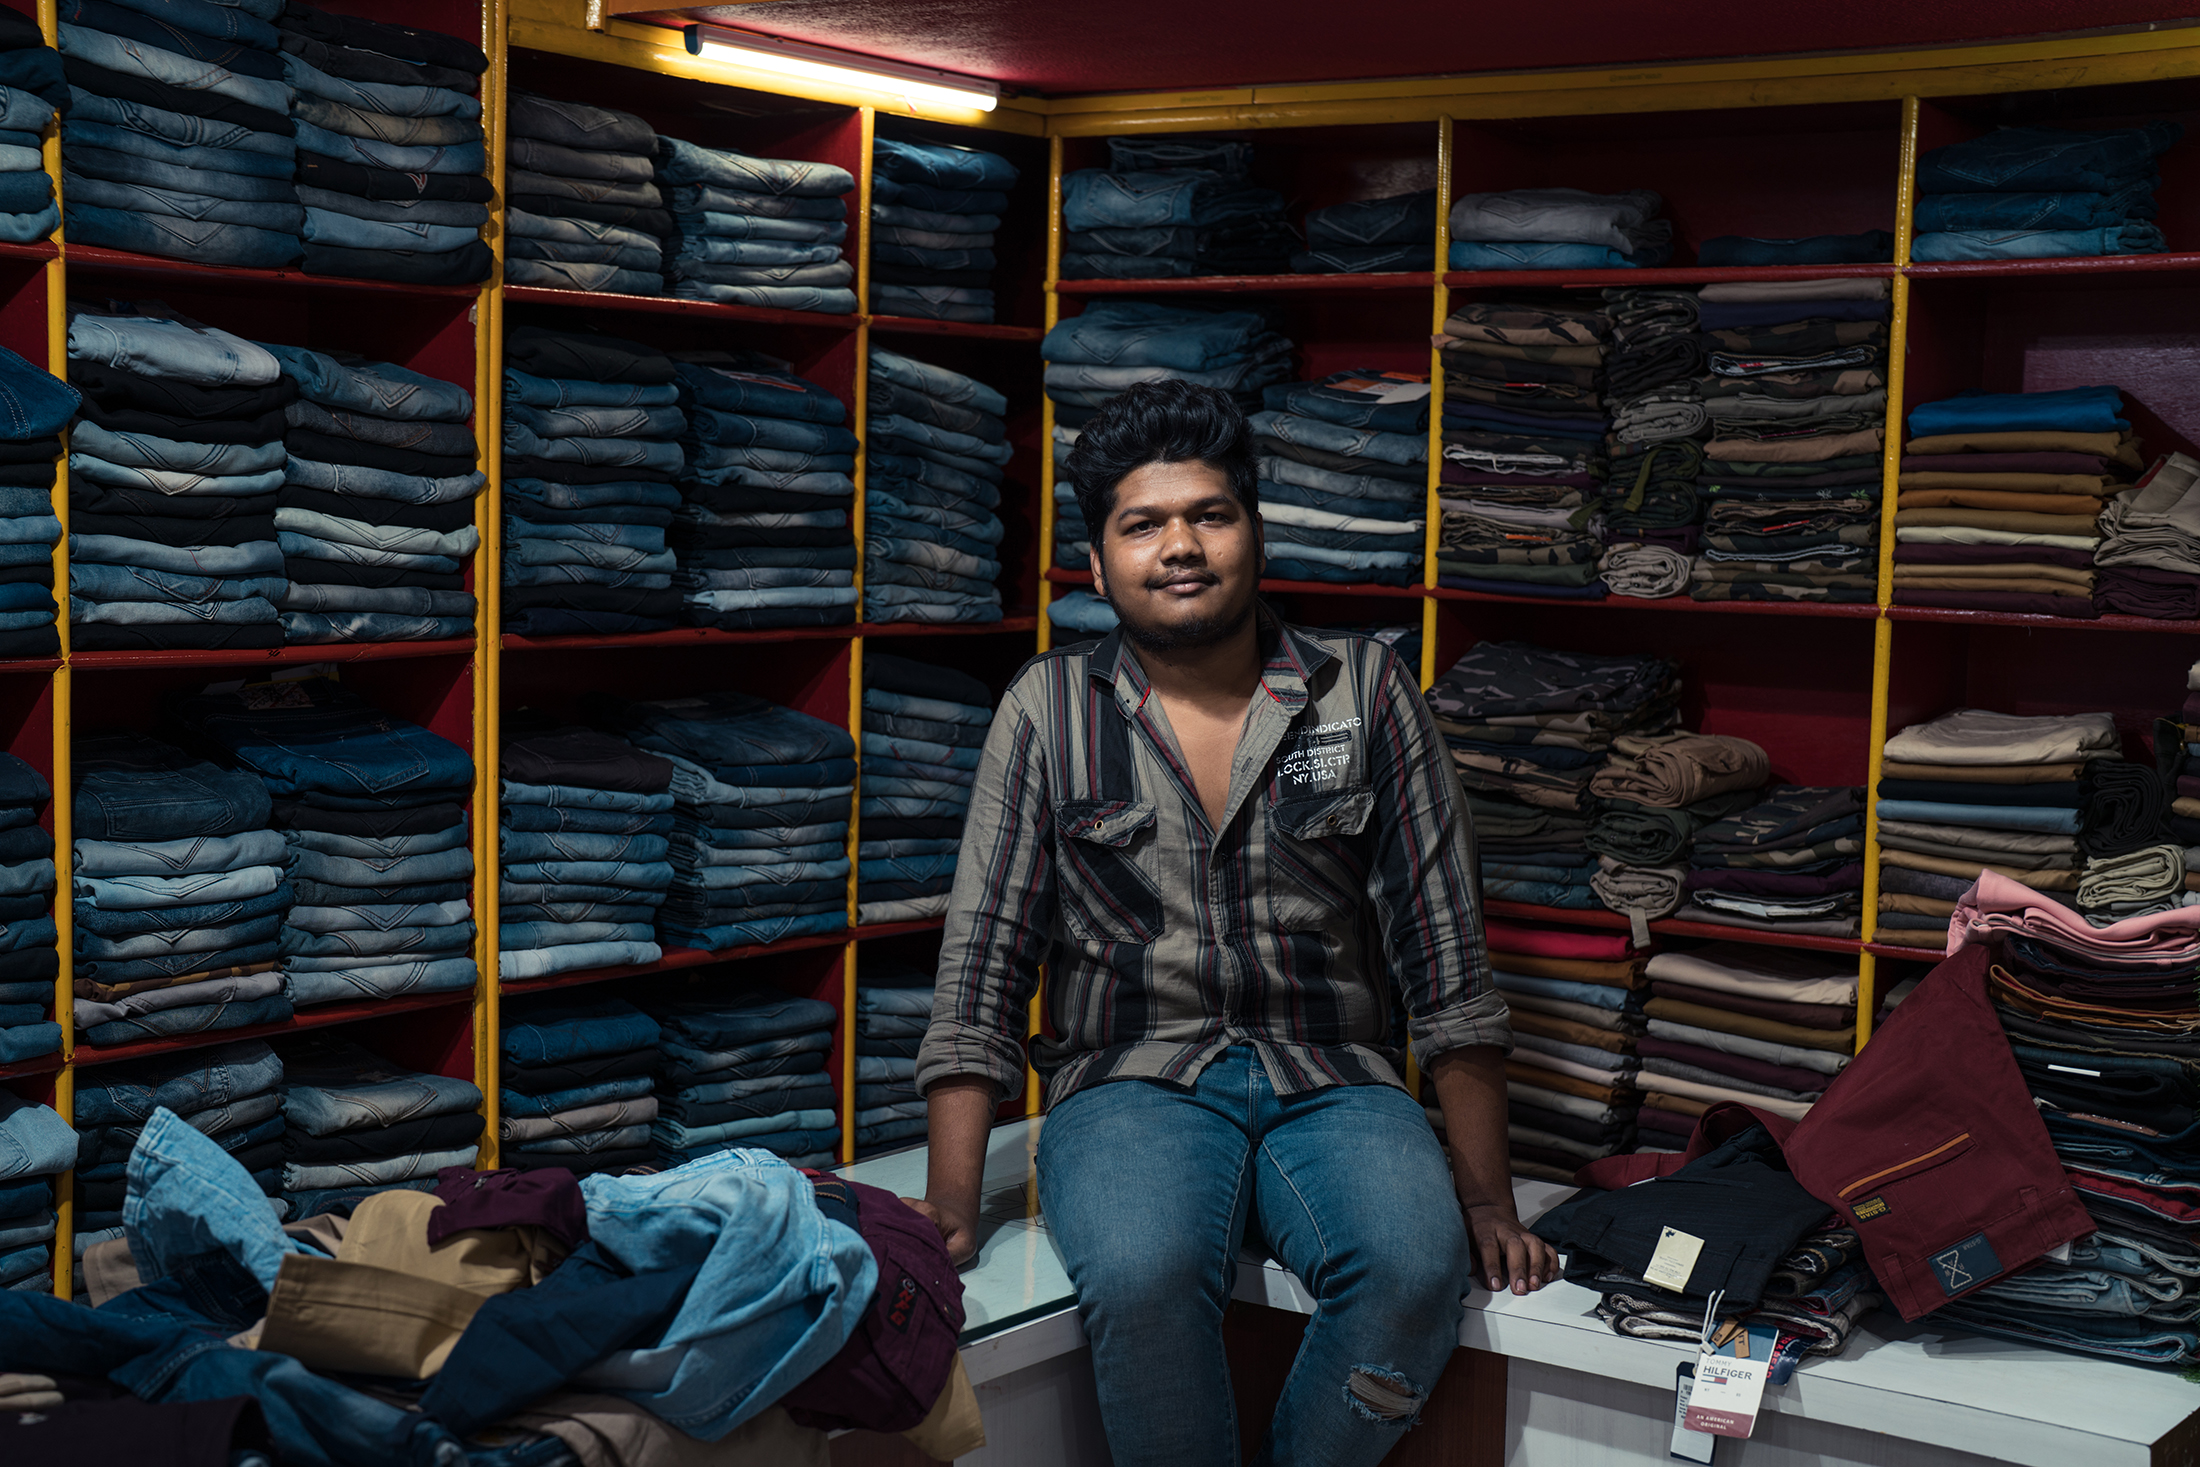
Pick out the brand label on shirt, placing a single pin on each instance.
(1970, 1263)
(1318, 756)
(899, 1313)
(1872, 1207)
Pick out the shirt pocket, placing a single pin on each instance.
(1317, 875)
(1107, 895)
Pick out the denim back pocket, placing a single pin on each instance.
(1106, 896)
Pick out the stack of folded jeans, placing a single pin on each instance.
(1370, 235)
(1113, 343)
(39, 407)
(2027, 193)
(36, 87)
(924, 727)
(376, 103)
(1350, 517)
(578, 1071)
(747, 1071)
(1080, 614)
(1651, 799)
(180, 895)
(1787, 863)
(2001, 500)
(231, 1093)
(756, 231)
(2149, 560)
(28, 960)
(893, 1009)
(1528, 729)
(376, 512)
(591, 455)
(1865, 247)
(1762, 1026)
(373, 812)
(938, 447)
(210, 185)
(1559, 229)
(172, 538)
(1173, 207)
(939, 274)
(355, 1124)
(764, 535)
(585, 211)
(36, 1145)
(585, 836)
(760, 835)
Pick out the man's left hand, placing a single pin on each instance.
(1506, 1254)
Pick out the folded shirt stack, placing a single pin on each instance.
(28, 960)
(2002, 497)
(1975, 790)
(1787, 863)
(1113, 343)
(1366, 236)
(938, 453)
(577, 1090)
(1174, 207)
(1559, 229)
(585, 211)
(148, 171)
(37, 86)
(230, 1093)
(924, 727)
(2133, 820)
(2025, 193)
(764, 534)
(1350, 512)
(180, 894)
(1865, 247)
(2148, 563)
(893, 1009)
(355, 1124)
(748, 1071)
(755, 231)
(373, 814)
(1528, 729)
(40, 406)
(36, 1145)
(591, 456)
(376, 513)
(932, 252)
(1652, 797)
(760, 818)
(1763, 1026)
(391, 155)
(172, 537)
(586, 838)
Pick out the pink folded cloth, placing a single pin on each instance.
(1549, 942)
(1997, 906)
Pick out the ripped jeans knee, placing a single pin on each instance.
(1382, 1396)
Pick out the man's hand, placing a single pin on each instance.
(1507, 1255)
(957, 1229)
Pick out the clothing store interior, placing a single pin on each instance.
(1554, 636)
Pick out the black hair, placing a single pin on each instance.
(1164, 422)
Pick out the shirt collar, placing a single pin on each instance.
(1292, 661)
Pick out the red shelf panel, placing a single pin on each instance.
(37, 665)
(274, 656)
(1908, 954)
(320, 1016)
(677, 958)
(1959, 616)
(1211, 284)
(979, 330)
(45, 1064)
(1865, 612)
(1673, 927)
(664, 305)
(1662, 275)
(41, 249)
(122, 262)
(2075, 267)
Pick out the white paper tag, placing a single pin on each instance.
(1674, 1260)
(2073, 1070)
(1730, 1382)
(1688, 1446)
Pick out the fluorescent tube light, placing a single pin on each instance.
(911, 84)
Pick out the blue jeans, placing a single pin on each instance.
(2136, 237)
(381, 483)
(457, 158)
(338, 744)
(272, 159)
(144, 451)
(204, 241)
(932, 302)
(1096, 199)
(936, 165)
(1467, 254)
(543, 962)
(713, 225)
(813, 439)
(131, 788)
(136, 58)
(91, 581)
(1400, 219)
(902, 216)
(1153, 1253)
(569, 275)
(1940, 212)
(597, 422)
(2031, 159)
(382, 389)
(386, 97)
(709, 250)
(532, 391)
(1113, 333)
(825, 300)
(685, 163)
(1394, 448)
(160, 348)
(140, 198)
(729, 729)
(95, 858)
(704, 199)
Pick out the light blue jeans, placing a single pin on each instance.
(1153, 1251)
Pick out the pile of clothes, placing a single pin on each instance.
(745, 1072)
(585, 212)
(1651, 507)
(1528, 729)
(893, 1009)
(376, 512)
(40, 408)
(2001, 498)
(29, 961)
(585, 841)
(1975, 791)
(761, 804)
(720, 248)
(1523, 432)
(2149, 558)
(936, 269)
(567, 1062)
(1865, 247)
(1651, 798)
(174, 480)
(37, 85)
(373, 814)
(591, 454)
(1570, 1080)
(1079, 615)
(2026, 193)
(1764, 1026)
(390, 150)
(355, 1124)
(1114, 343)
(938, 448)
(36, 1145)
(1357, 516)
(1559, 229)
(924, 727)
(1795, 390)
(1790, 861)
(1174, 207)
(1366, 236)
(180, 894)
(763, 533)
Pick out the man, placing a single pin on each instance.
(1239, 849)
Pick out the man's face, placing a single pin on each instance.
(1179, 558)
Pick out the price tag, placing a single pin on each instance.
(1674, 1260)
(1687, 1445)
(1730, 1381)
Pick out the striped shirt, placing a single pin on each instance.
(1339, 889)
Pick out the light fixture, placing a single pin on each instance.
(913, 85)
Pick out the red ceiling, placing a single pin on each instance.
(1069, 46)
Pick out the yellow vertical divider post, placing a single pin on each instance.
(61, 691)
(1441, 313)
(859, 419)
(1898, 329)
(1036, 1019)
(488, 663)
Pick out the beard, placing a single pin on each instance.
(1200, 631)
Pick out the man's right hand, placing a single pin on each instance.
(958, 1227)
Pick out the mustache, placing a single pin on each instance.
(1168, 578)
